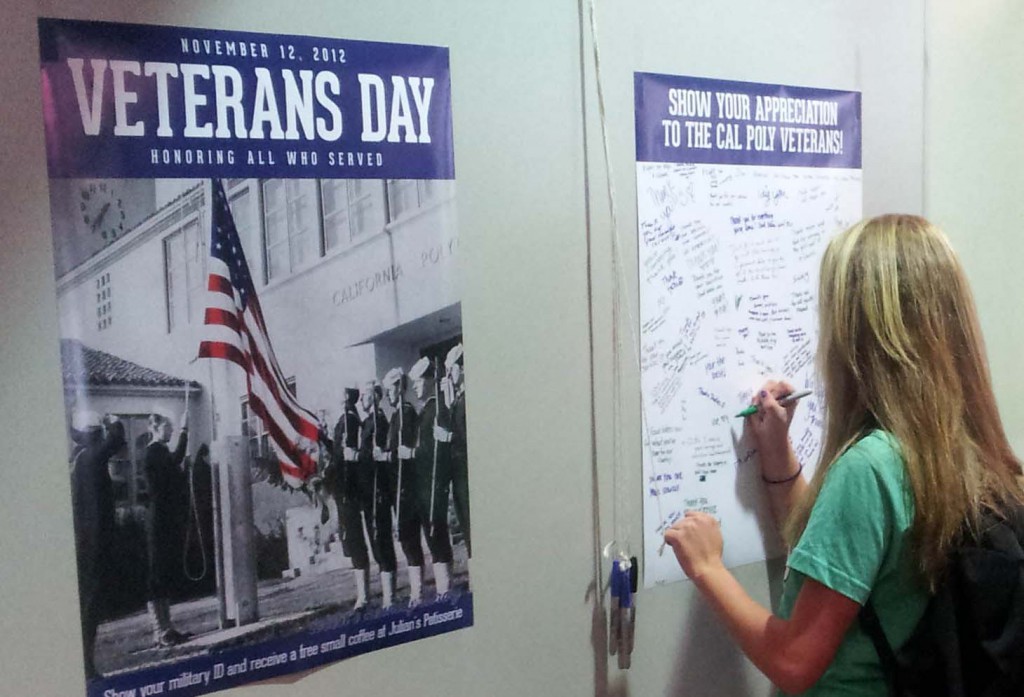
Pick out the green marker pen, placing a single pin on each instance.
(791, 397)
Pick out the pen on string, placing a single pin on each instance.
(791, 397)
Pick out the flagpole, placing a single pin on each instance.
(218, 514)
(215, 479)
(235, 331)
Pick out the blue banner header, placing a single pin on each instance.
(697, 120)
(140, 101)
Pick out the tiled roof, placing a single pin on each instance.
(83, 365)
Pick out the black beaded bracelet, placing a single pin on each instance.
(783, 481)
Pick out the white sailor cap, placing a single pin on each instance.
(454, 356)
(421, 369)
(392, 377)
(85, 419)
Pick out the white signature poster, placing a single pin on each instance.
(739, 188)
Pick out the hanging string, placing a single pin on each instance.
(588, 226)
(194, 523)
(620, 300)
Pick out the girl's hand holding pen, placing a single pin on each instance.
(770, 428)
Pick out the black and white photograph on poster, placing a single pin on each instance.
(256, 256)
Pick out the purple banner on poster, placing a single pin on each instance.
(696, 120)
(143, 101)
(219, 670)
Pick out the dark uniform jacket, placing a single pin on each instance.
(92, 497)
(341, 480)
(166, 516)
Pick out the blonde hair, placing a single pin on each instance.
(900, 349)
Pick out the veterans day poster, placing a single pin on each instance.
(257, 262)
(740, 186)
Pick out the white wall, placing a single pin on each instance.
(520, 165)
(974, 178)
(874, 47)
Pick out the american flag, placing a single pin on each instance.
(236, 331)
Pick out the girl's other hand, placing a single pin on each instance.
(697, 543)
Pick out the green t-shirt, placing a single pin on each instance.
(857, 542)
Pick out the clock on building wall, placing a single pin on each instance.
(101, 209)
(91, 214)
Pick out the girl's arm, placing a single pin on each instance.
(792, 653)
(783, 491)
(780, 469)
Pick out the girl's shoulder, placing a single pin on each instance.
(875, 454)
(879, 443)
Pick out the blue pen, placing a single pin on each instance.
(627, 620)
(615, 588)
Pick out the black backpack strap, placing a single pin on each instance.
(873, 628)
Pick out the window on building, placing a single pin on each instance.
(353, 209)
(292, 238)
(104, 309)
(406, 196)
(185, 275)
(403, 198)
(255, 431)
(195, 269)
(244, 215)
(175, 280)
